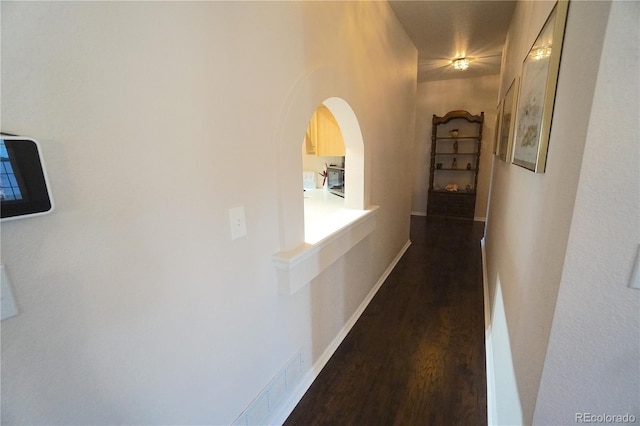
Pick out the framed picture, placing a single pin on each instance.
(496, 136)
(507, 123)
(537, 92)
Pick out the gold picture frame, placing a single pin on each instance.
(537, 92)
(496, 136)
(507, 122)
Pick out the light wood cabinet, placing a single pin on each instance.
(323, 137)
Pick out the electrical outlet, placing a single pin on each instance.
(238, 222)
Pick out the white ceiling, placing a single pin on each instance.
(443, 30)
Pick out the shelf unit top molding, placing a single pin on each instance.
(458, 114)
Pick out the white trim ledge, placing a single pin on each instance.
(297, 267)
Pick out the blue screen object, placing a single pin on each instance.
(24, 189)
(9, 188)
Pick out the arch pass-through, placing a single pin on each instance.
(331, 238)
(325, 213)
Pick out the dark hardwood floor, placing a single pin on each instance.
(416, 355)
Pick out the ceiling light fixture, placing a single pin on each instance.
(460, 64)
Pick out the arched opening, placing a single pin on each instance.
(302, 258)
(333, 169)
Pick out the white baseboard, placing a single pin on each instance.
(485, 286)
(287, 407)
(491, 384)
(488, 343)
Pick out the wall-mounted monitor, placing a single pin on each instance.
(24, 189)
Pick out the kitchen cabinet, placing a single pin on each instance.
(323, 137)
(456, 141)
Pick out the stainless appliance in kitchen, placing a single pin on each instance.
(335, 180)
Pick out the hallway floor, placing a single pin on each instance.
(416, 356)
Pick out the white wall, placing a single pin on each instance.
(439, 97)
(530, 251)
(593, 357)
(155, 119)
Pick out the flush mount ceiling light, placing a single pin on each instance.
(460, 64)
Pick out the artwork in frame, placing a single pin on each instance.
(537, 92)
(496, 136)
(507, 122)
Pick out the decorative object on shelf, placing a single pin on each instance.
(508, 112)
(452, 190)
(324, 175)
(537, 92)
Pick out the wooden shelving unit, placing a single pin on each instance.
(456, 142)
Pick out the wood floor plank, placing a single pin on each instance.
(416, 356)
